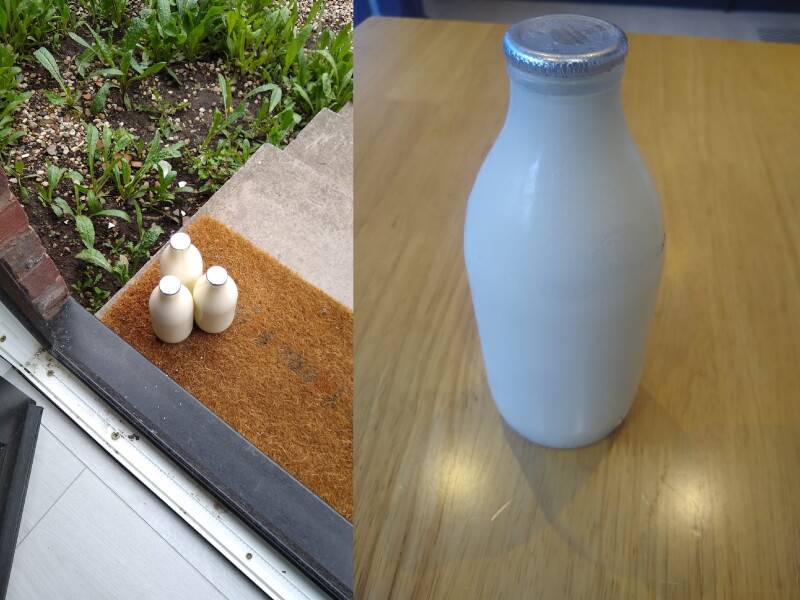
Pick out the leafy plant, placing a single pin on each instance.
(140, 251)
(120, 60)
(199, 23)
(17, 170)
(129, 181)
(126, 264)
(98, 180)
(70, 97)
(221, 121)
(48, 190)
(324, 77)
(216, 165)
(162, 192)
(66, 18)
(10, 99)
(25, 24)
(106, 12)
(89, 290)
(190, 31)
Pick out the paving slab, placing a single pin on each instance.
(294, 213)
(326, 144)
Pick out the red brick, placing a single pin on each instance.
(13, 221)
(5, 192)
(22, 254)
(52, 298)
(38, 279)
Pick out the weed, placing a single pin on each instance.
(48, 190)
(88, 289)
(120, 60)
(216, 165)
(221, 121)
(25, 24)
(70, 97)
(125, 264)
(17, 170)
(129, 181)
(105, 12)
(10, 99)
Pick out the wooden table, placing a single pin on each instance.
(697, 494)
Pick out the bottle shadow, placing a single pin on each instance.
(618, 505)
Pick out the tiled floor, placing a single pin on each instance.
(740, 25)
(91, 530)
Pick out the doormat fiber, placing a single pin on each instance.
(281, 375)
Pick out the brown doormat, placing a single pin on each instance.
(281, 375)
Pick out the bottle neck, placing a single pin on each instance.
(565, 110)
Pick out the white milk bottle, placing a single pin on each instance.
(182, 259)
(171, 310)
(215, 297)
(564, 238)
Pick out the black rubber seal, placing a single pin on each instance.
(19, 429)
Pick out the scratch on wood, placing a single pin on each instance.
(499, 510)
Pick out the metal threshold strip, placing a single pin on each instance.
(248, 551)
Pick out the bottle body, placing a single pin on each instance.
(182, 259)
(171, 311)
(215, 301)
(564, 247)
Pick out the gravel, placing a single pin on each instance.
(337, 13)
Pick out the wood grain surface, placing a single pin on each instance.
(697, 493)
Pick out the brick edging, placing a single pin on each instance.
(28, 276)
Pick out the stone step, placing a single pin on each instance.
(326, 144)
(294, 213)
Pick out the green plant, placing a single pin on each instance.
(98, 180)
(89, 290)
(48, 190)
(162, 192)
(17, 170)
(222, 120)
(140, 251)
(120, 60)
(190, 31)
(10, 99)
(66, 18)
(125, 265)
(25, 24)
(199, 22)
(70, 97)
(106, 12)
(164, 109)
(129, 181)
(216, 165)
(324, 75)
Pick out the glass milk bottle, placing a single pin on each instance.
(215, 297)
(182, 259)
(564, 238)
(171, 310)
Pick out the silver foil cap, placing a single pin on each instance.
(565, 46)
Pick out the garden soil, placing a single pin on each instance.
(281, 375)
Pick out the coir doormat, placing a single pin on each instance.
(281, 375)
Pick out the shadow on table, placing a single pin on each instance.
(617, 503)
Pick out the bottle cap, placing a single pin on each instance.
(565, 46)
(216, 275)
(180, 241)
(169, 285)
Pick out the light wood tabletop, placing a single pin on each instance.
(697, 493)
